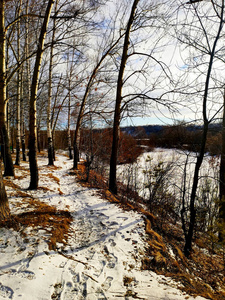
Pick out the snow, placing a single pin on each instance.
(101, 259)
(137, 173)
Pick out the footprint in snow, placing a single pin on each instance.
(111, 258)
(79, 287)
(57, 291)
(100, 295)
(6, 292)
(26, 262)
(107, 283)
(22, 274)
(112, 243)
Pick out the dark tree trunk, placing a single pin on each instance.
(33, 164)
(68, 128)
(117, 113)
(222, 179)
(23, 149)
(23, 131)
(76, 155)
(4, 205)
(50, 152)
(6, 153)
(192, 210)
(189, 235)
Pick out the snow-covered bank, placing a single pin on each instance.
(173, 162)
(101, 258)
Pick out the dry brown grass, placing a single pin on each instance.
(127, 280)
(60, 192)
(56, 179)
(202, 274)
(11, 184)
(55, 222)
(39, 215)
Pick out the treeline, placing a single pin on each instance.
(135, 140)
(96, 143)
(178, 136)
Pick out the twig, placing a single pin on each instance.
(72, 258)
(90, 277)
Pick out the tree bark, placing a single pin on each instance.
(222, 179)
(27, 76)
(33, 98)
(5, 148)
(22, 124)
(19, 89)
(49, 129)
(117, 113)
(68, 128)
(4, 204)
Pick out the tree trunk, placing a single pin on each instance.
(49, 129)
(222, 180)
(4, 204)
(18, 112)
(18, 121)
(76, 142)
(33, 98)
(189, 236)
(68, 128)
(53, 143)
(76, 153)
(28, 85)
(22, 123)
(5, 148)
(116, 124)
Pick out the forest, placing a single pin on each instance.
(74, 77)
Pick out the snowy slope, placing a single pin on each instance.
(100, 260)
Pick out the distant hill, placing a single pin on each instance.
(150, 129)
(146, 129)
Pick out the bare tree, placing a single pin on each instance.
(49, 130)
(222, 178)
(19, 92)
(117, 114)
(5, 148)
(205, 43)
(33, 98)
(89, 85)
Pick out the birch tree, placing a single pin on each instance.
(19, 92)
(5, 148)
(49, 129)
(33, 98)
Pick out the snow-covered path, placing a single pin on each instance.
(101, 260)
